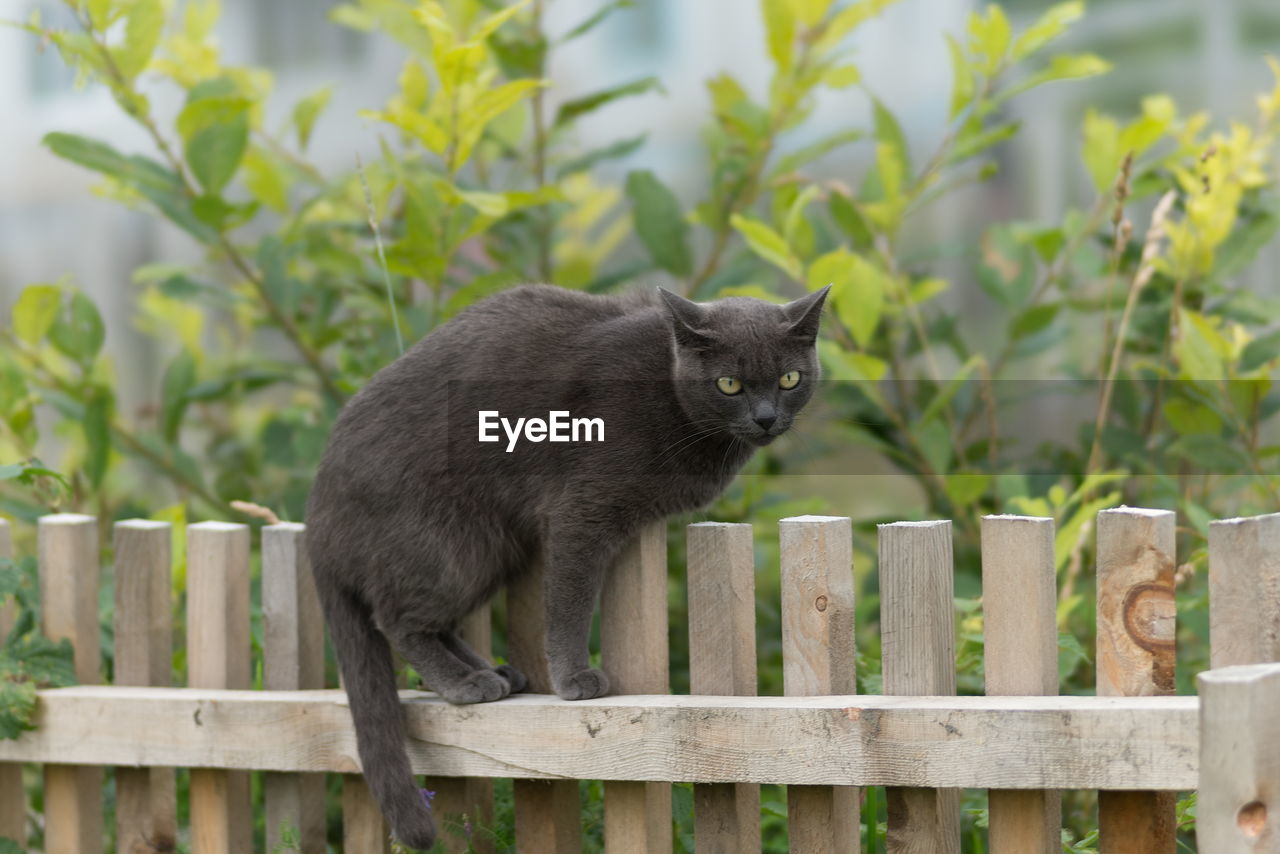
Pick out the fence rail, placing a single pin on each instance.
(1135, 743)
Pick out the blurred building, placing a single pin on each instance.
(1206, 53)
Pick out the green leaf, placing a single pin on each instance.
(943, 398)
(1189, 418)
(1201, 350)
(858, 291)
(841, 76)
(964, 489)
(780, 31)
(78, 331)
(215, 129)
(847, 20)
(1033, 320)
(613, 151)
(179, 377)
(595, 19)
(1062, 67)
(889, 132)
(35, 311)
(1247, 239)
(97, 434)
(307, 110)
(845, 213)
(963, 85)
(141, 35)
(1260, 351)
(571, 110)
(1047, 27)
(800, 157)
(989, 37)
(1101, 149)
(795, 220)
(767, 243)
(659, 223)
(17, 708)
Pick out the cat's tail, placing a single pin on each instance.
(365, 659)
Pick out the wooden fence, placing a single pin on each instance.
(1134, 742)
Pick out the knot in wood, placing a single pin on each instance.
(1150, 616)
(820, 603)
(1252, 819)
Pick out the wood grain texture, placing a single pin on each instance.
(547, 812)
(146, 798)
(1238, 811)
(818, 658)
(1136, 656)
(461, 803)
(13, 796)
(1019, 607)
(722, 660)
(1244, 590)
(634, 654)
(917, 624)
(218, 657)
(853, 740)
(69, 571)
(364, 831)
(293, 659)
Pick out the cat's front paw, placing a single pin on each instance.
(515, 678)
(583, 685)
(481, 686)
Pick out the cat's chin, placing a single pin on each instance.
(759, 440)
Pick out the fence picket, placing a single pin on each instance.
(466, 801)
(1019, 608)
(293, 660)
(68, 547)
(634, 653)
(1239, 760)
(917, 625)
(13, 797)
(1136, 657)
(1244, 590)
(722, 661)
(146, 798)
(818, 658)
(364, 830)
(547, 811)
(218, 657)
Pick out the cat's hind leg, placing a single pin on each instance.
(463, 651)
(457, 681)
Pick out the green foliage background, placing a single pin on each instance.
(311, 280)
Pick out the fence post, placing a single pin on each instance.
(13, 797)
(293, 660)
(722, 661)
(1238, 811)
(1136, 658)
(634, 653)
(1020, 639)
(547, 811)
(466, 798)
(1244, 590)
(68, 547)
(818, 658)
(146, 798)
(218, 657)
(917, 626)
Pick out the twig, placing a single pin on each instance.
(382, 258)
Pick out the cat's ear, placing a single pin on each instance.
(805, 314)
(688, 321)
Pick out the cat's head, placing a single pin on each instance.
(744, 364)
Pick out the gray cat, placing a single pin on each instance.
(414, 521)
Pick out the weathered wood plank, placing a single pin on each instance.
(1019, 607)
(146, 798)
(917, 623)
(466, 801)
(870, 740)
(1238, 811)
(818, 658)
(68, 552)
(634, 654)
(293, 660)
(218, 657)
(1244, 590)
(364, 831)
(1136, 657)
(547, 812)
(722, 660)
(13, 797)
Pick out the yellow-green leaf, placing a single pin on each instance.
(1202, 351)
(842, 76)
(35, 311)
(141, 35)
(810, 12)
(1047, 27)
(780, 31)
(768, 244)
(1101, 149)
(847, 20)
(962, 82)
(989, 37)
(307, 110)
(491, 24)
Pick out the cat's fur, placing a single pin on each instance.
(412, 523)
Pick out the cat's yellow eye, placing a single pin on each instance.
(790, 379)
(729, 385)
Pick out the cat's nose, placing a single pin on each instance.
(765, 420)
